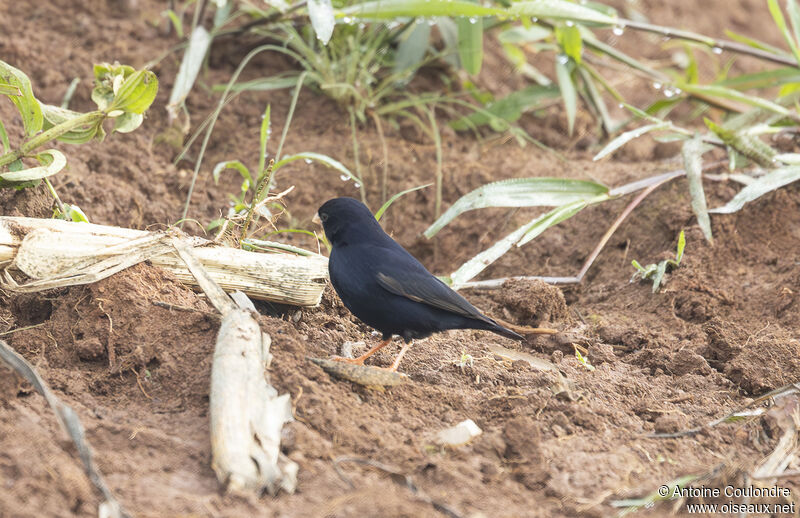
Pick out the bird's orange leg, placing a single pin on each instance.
(400, 355)
(360, 359)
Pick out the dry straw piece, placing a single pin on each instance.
(54, 253)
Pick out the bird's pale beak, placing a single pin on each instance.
(316, 219)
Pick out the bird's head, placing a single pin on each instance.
(346, 218)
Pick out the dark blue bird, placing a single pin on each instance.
(386, 287)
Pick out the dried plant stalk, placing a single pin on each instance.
(247, 414)
(44, 248)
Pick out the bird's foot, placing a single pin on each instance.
(354, 361)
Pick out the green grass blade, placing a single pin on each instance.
(264, 140)
(681, 246)
(412, 48)
(395, 197)
(780, 21)
(569, 37)
(470, 43)
(628, 136)
(756, 44)
(794, 17)
(767, 183)
(477, 264)
(766, 79)
(263, 84)
(508, 109)
(561, 10)
(317, 157)
(568, 91)
(734, 95)
(4, 144)
(390, 9)
(553, 217)
(692, 152)
(177, 23)
(232, 164)
(520, 192)
(518, 34)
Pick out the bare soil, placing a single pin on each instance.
(723, 330)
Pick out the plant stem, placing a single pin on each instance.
(52, 190)
(728, 45)
(53, 133)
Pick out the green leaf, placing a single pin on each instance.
(522, 235)
(520, 192)
(137, 93)
(322, 20)
(190, 66)
(477, 264)
(263, 139)
(55, 115)
(766, 79)
(569, 37)
(177, 23)
(106, 78)
(323, 159)
(692, 152)
(395, 197)
(52, 161)
(628, 136)
(390, 9)
(661, 269)
(26, 103)
(470, 43)
(128, 122)
(9, 90)
(263, 84)
(756, 44)
(74, 214)
(4, 144)
(412, 47)
(767, 183)
(568, 91)
(681, 246)
(733, 95)
(518, 34)
(561, 10)
(232, 164)
(794, 18)
(509, 108)
(555, 217)
(780, 21)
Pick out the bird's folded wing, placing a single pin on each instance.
(427, 289)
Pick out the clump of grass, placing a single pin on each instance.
(656, 272)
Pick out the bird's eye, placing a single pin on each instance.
(323, 217)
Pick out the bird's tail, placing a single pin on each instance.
(516, 332)
(504, 331)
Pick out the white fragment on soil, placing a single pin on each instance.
(533, 361)
(346, 351)
(460, 434)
